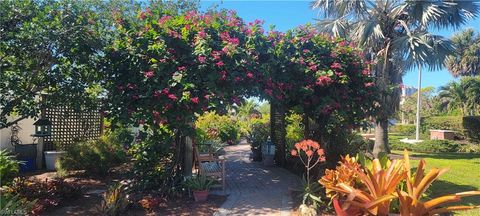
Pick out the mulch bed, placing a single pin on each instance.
(94, 187)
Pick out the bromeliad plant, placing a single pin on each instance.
(368, 187)
(310, 154)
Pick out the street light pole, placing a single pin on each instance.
(419, 92)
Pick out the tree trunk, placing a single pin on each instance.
(381, 137)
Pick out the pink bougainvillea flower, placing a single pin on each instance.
(131, 86)
(202, 34)
(366, 72)
(313, 68)
(250, 75)
(149, 74)
(238, 79)
(172, 97)
(234, 41)
(202, 59)
(157, 93)
(324, 81)
(220, 64)
(342, 43)
(187, 27)
(167, 106)
(162, 20)
(223, 75)
(156, 114)
(195, 100)
(269, 92)
(181, 68)
(306, 50)
(369, 84)
(141, 121)
(336, 65)
(120, 87)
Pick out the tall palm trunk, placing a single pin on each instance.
(381, 137)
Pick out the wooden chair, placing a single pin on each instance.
(210, 166)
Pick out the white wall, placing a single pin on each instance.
(24, 134)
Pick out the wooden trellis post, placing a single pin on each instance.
(278, 131)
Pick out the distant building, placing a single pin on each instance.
(406, 92)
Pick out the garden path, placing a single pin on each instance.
(253, 188)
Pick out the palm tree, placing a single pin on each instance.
(395, 35)
(466, 59)
(464, 95)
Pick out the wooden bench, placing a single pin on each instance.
(210, 166)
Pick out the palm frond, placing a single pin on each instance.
(337, 28)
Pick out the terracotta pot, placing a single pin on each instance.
(200, 196)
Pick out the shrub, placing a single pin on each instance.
(212, 126)
(96, 157)
(404, 129)
(122, 136)
(428, 146)
(152, 156)
(443, 123)
(46, 194)
(259, 133)
(14, 205)
(8, 167)
(294, 129)
(471, 124)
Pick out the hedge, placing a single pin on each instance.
(443, 123)
(428, 146)
(404, 129)
(471, 125)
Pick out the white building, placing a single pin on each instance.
(27, 129)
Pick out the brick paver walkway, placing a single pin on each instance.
(253, 188)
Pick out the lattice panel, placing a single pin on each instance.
(69, 126)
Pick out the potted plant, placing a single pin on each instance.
(199, 186)
(257, 136)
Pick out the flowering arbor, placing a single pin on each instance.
(164, 69)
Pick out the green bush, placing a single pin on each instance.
(8, 167)
(443, 123)
(96, 157)
(404, 129)
(294, 129)
(122, 136)
(471, 125)
(427, 146)
(211, 126)
(259, 133)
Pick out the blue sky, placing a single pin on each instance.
(289, 14)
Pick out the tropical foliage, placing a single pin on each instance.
(49, 47)
(9, 166)
(396, 37)
(464, 95)
(466, 59)
(370, 186)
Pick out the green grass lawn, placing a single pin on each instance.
(464, 175)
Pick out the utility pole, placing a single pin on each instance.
(419, 92)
